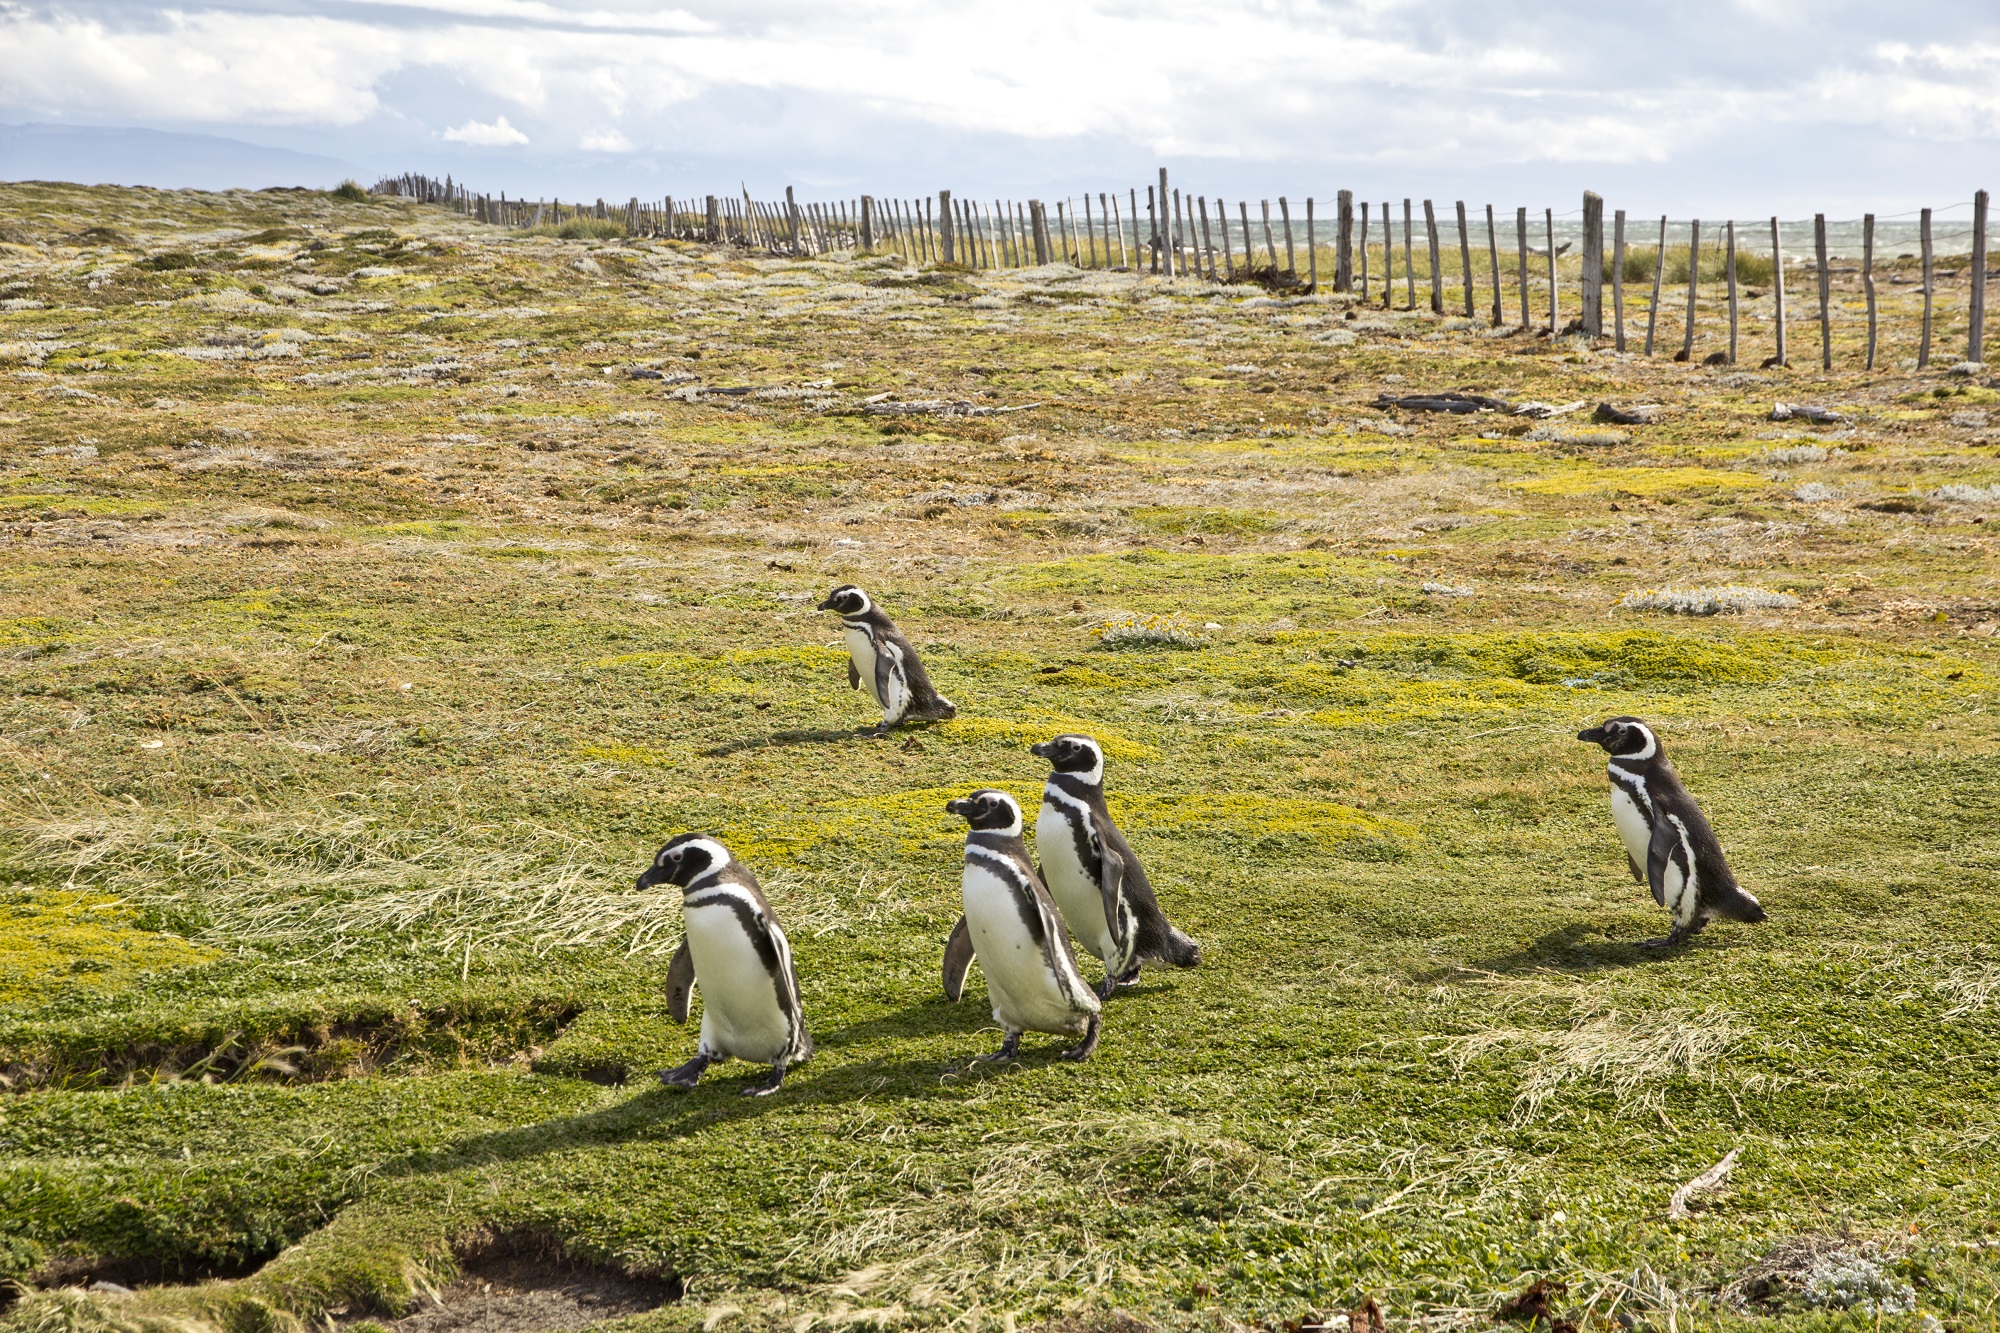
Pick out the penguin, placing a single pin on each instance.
(735, 950)
(878, 653)
(1011, 926)
(1093, 874)
(1665, 832)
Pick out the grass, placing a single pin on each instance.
(347, 691)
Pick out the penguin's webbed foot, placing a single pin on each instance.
(1009, 1049)
(1105, 987)
(1084, 1049)
(769, 1085)
(686, 1076)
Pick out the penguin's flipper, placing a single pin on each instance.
(680, 983)
(853, 675)
(1660, 859)
(892, 686)
(1111, 883)
(957, 960)
(1637, 874)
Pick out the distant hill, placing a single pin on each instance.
(100, 155)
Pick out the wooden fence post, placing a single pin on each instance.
(1975, 347)
(1291, 261)
(1270, 241)
(1659, 278)
(1778, 291)
(1089, 229)
(1618, 279)
(1166, 243)
(1312, 251)
(1364, 252)
(1694, 280)
(1465, 257)
(714, 218)
(1409, 257)
(792, 218)
(1117, 225)
(1825, 293)
(1729, 229)
(1038, 215)
(1343, 262)
(947, 232)
(1593, 264)
(1555, 306)
(1868, 279)
(1521, 248)
(1431, 239)
(1493, 266)
(867, 222)
(1924, 347)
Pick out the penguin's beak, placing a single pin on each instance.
(1040, 749)
(826, 605)
(646, 880)
(1595, 735)
(961, 807)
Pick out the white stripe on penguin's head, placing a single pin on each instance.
(989, 811)
(847, 599)
(685, 859)
(1623, 738)
(1078, 756)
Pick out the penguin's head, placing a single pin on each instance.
(989, 811)
(1623, 738)
(682, 859)
(1079, 755)
(848, 600)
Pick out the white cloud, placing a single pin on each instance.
(1416, 88)
(497, 135)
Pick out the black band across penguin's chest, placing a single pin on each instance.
(1069, 798)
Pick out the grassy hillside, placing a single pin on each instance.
(366, 623)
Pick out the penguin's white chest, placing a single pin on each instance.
(740, 1015)
(1635, 830)
(1027, 992)
(1076, 891)
(861, 651)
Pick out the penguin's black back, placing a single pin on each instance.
(1720, 895)
(1158, 941)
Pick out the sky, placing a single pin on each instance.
(1739, 107)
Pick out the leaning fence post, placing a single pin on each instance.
(1659, 278)
(1493, 264)
(1868, 279)
(1465, 258)
(1924, 347)
(1694, 280)
(1730, 231)
(1166, 249)
(1825, 293)
(1976, 340)
(1364, 252)
(1593, 264)
(1521, 254)
(792, 218)
(1431, 240)
(1555, 306)
(1312, 250)
(1343, 262)
(1409, 258)
(1778, 291)
(1285, 214)
(1038, 215)
(1618, 278)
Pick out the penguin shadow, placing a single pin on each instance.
(658, 1112)
(1581, 946)
(795, 736)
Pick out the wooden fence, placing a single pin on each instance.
(1179, 236)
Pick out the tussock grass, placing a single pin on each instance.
(359, 793)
